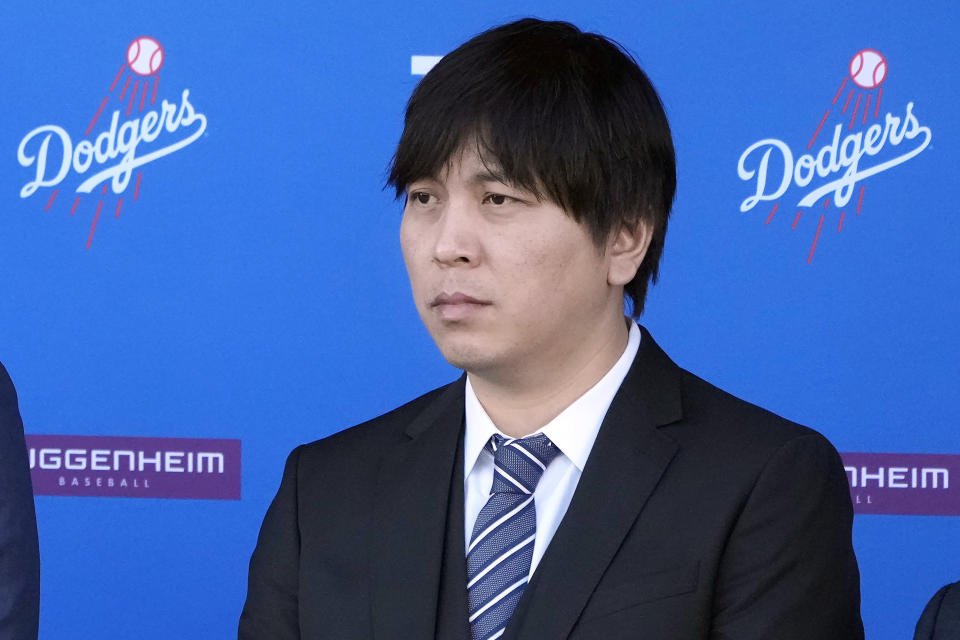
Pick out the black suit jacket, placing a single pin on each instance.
(697, 516)
(19, 553)
(941, 617)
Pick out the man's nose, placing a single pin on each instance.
(456, 242)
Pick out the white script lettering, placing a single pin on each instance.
(839, 155)
(120, 140)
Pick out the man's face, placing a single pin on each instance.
(503, 282)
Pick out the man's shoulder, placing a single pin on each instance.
(731, 425)
(371, 437)
(707, 413)
(704, 400)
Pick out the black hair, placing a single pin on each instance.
(564, 114)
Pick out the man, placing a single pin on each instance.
(574, 483)
(19, 555)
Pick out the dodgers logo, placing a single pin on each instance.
(133, 133)
(858, 142)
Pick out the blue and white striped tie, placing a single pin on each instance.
(501, 546)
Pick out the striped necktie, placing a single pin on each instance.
(501, 546)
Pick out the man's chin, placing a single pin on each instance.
(466, 361)
(467, 355)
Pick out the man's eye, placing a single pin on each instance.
(420, 197)
(497, 198)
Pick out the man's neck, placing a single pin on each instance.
(520, 406)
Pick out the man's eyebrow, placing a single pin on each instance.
(489, 175)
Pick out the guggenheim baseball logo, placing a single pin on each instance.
(904, 483)
(134, 467)
(134, 130)
(856, 141)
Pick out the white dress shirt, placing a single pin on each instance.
(573, 432)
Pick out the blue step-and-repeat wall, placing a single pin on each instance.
(199, 268)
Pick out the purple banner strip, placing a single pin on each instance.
(134, 467)
(904, 483)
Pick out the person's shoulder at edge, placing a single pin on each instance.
(941, 615)
(8, 396)
(19, 551)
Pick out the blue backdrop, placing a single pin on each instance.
(254, 289)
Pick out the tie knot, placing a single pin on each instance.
(519, 462)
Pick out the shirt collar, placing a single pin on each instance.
(573, 431)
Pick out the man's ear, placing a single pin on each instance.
(626, 250)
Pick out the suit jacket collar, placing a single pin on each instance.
(628, 459)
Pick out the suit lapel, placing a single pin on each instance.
(410, 515)
(624, 467)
